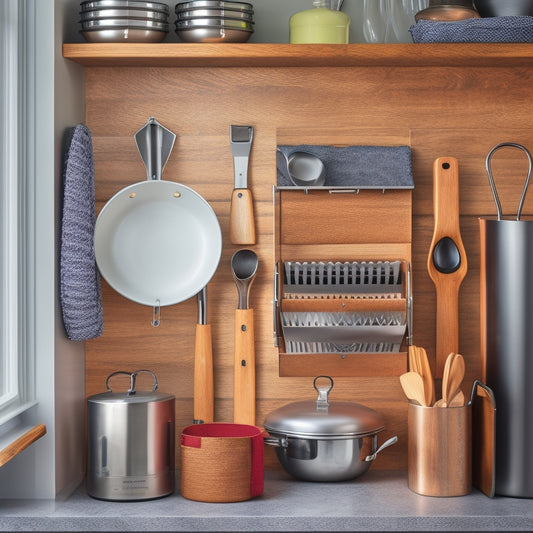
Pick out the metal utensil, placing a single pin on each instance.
(244, 268)
(204, 398)
(241, 218)
(305, 169)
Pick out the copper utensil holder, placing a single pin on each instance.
(439, 450)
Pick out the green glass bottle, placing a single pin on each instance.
(321, 24)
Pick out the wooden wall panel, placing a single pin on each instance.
(460, 112)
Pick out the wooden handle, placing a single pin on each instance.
(241, 218)
(244, 368)
(446, 212)
(204, 396)
(21, 443)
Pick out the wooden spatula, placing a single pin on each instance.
(413, 387)
(453, 375)
(425, 371)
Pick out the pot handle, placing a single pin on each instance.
(386, 444)
(133, 377)
(277, 442)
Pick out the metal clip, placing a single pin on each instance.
(156, 314)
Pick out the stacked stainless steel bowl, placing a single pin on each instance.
(214, 21)
(133, 21)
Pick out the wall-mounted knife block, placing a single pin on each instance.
(326, 233)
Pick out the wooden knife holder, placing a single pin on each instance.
(328, 224)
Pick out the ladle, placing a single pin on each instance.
(305, 169)
(244, 268)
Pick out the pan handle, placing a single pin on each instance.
(491, 179)
(477, 383)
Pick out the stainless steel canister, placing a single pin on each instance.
(130, 443)
(507, 338)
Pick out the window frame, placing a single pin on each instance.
(17, 361)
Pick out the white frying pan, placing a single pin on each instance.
(157, 242)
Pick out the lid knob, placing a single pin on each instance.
(322, 403)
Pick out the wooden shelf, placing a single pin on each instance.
(304, 55)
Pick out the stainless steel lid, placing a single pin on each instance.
(131, 396)
(324, 420)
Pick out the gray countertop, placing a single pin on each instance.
(378, 501)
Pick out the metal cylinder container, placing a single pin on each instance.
(130, 443)
(507, 346)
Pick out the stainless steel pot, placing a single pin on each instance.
(323, 441)
(130, 443)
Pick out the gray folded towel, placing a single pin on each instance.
(517, 29)
(81, 297)
(371, 167)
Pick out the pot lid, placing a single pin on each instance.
(323, 419)
(131, 396)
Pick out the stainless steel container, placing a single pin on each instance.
(507, 336)
(323, 441)
(130, 443)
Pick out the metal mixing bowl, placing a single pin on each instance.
(118, 35)
(109, 24)
(219, 13)
(229, 24)
(142, 14)
(213, 34)
(91, 5)
(214, 30)
(214, 4)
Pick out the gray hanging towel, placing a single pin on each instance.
(513, 29)
(81, 293)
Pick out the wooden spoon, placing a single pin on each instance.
(413, 387)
